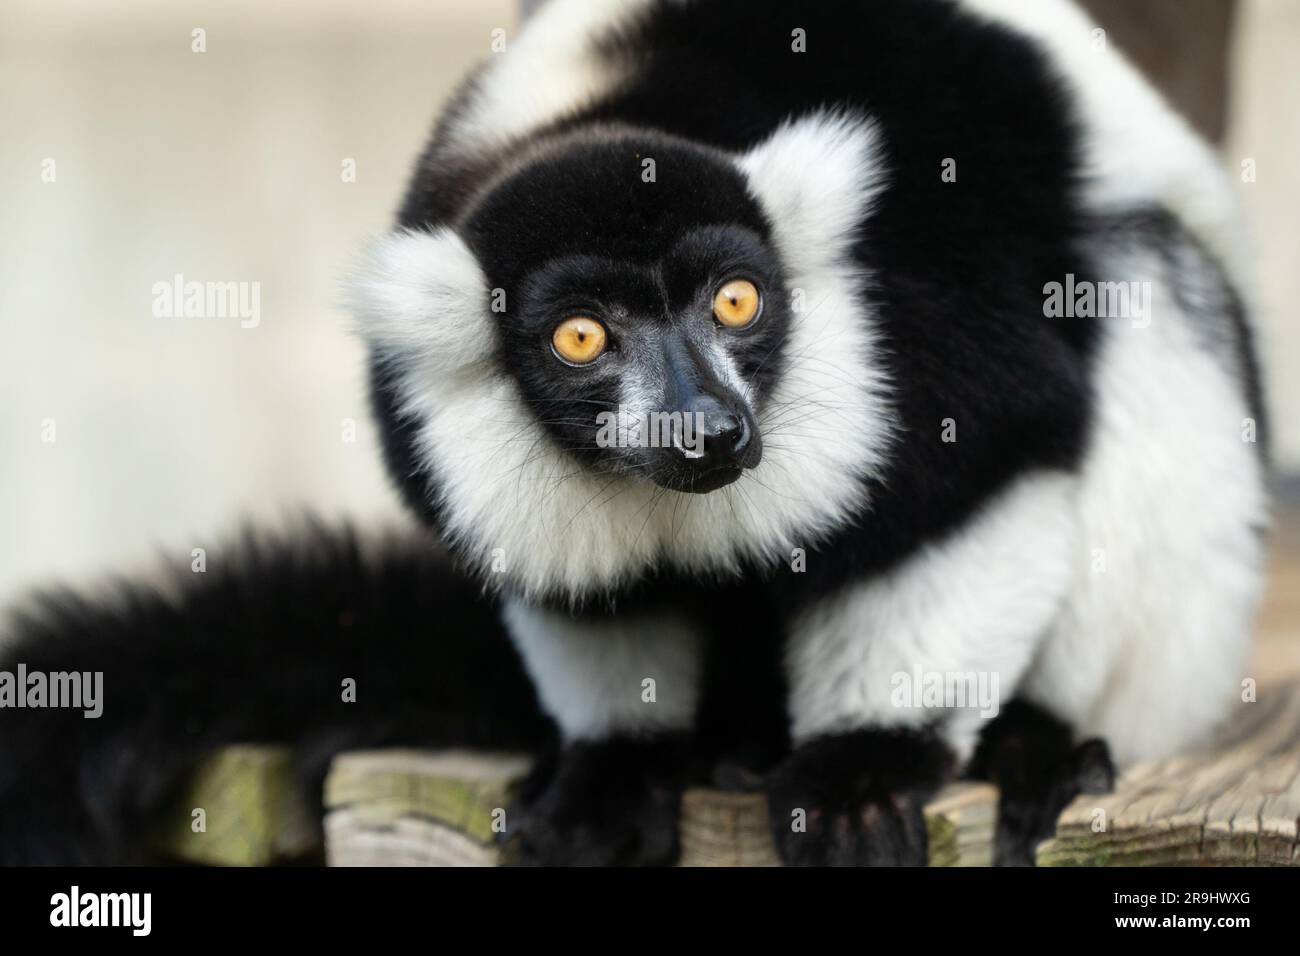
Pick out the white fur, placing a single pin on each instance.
(1151, 648)
(590, 676)
(550, 68)
(1137, 150)
(1149, 652)
(511, 496)
(978, 600)
(421, 298)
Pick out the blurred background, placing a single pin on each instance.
(127, 158)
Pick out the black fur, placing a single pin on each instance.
(1032, 758)
(644, 259)
(857, 799)
(255, 649)
(601, 803)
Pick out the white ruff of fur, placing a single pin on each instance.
(528, 515)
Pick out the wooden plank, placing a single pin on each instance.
(402, 808)
(1236, 803)
(241, 807)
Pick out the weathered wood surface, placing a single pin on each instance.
(1237, 803)
(405, 808)
(731, 829)
(253, 813)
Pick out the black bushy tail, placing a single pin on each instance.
(255, 649)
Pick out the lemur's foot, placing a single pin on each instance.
(1038, 769)
(606, 803)
(857, 799)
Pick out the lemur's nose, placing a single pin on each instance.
(714, 438)
(722, 436)
(724, 430)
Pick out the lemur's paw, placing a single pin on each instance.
(606, 803)
(857, 799)
(1029, 807)
(1038, 769)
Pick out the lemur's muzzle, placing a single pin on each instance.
(713, 434)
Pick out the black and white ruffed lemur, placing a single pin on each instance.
(834, 237)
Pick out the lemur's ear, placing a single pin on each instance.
(816, 177)
(422, 297)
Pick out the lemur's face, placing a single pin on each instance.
(618, 322)
(640, 307)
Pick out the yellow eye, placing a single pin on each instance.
(736, 304)
(579, 340)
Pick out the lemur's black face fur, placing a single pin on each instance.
(639, 304)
